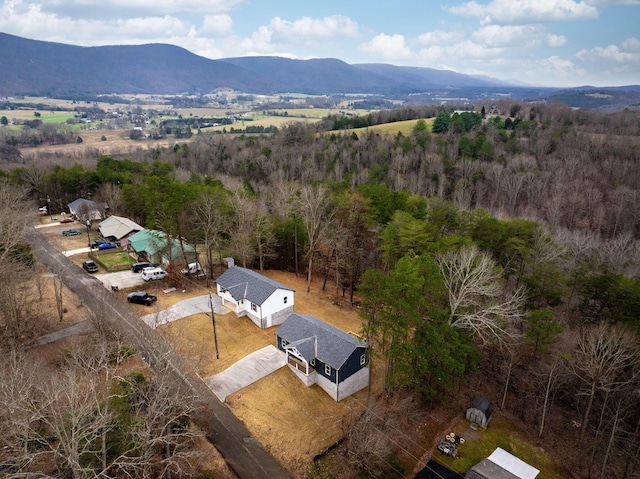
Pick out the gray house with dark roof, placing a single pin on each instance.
(321, 354)
(265, 301)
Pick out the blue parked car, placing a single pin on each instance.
(107, 246)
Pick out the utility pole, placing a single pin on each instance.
(88, 229)
(213, 319)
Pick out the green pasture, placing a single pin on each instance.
(405, 127)
(45, 116)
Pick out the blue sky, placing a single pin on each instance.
(540, 42)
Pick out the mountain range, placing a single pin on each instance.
(38, 68)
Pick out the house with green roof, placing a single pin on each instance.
(157, 247)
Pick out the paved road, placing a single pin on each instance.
(243, 453)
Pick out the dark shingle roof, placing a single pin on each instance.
(330, 345)
(243, 283)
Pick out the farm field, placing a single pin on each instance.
(405, 127)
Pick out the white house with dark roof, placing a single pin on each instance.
(265, 301)
(321, 354)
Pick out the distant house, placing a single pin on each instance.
(266, 302)
(321, 354)
(480, 412)
(502, 465)
(118, 228)
(156, 247)
(84, 209)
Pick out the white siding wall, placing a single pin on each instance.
(275, 302)
(353, 384)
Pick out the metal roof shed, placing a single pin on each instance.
(480, 412)
(502, 465)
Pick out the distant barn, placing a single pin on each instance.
(480, 412)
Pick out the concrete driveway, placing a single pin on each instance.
(188, 307)
(248, 370)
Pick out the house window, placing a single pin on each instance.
(285, 299)
(313, 362)
(284, 342)
(254, 307)
(363, 360)
(327, 370)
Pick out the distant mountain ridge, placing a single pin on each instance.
(33, 67)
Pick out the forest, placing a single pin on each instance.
(502, 244)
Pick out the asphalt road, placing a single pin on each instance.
(243, 453)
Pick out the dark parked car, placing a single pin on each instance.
(107, 246)
(138, 267)
(142, 297)
(98, 242)
(72, 232)
(67, 220)
(90, 267)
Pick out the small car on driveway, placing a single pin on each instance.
(71, 232)
(107, 246)
(67, 220)
(141, 297)
(140, 265)
(90, 266)
(96, 243)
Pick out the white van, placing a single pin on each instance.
(194, 269)
(153, 273)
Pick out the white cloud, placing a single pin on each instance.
(258, 44)
(609, 53)
(440, 37)
(153, 27)
(525, 11)
(631, 44)
(556, 41)
(509, 35)
(327, 27)
(217, 25)
(388, 47)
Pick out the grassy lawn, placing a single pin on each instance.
(500, 433)
(114, 259)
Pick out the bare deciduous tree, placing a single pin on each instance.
(242, 232)
(477, 299)
(317, 214)
(606, 361)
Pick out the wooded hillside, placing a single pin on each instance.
(503, 244)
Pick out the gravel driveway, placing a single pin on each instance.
(121, 279)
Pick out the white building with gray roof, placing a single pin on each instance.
(265, 301)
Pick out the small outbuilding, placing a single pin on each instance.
(480, 412)
(502, 465)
